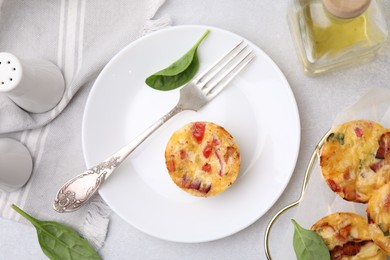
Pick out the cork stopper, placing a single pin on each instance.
(346, 8)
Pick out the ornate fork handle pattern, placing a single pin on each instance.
(74, 193)
(66, 198)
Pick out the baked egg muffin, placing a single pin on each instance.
(347, 237)
(355, 159)
(378, 215)
(202, 158)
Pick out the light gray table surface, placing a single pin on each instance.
(319, 100)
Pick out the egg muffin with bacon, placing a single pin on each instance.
(202, 158)
(378, 214)
(355, 159)
(347, 237)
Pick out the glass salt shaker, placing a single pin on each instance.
(331, 34)
(36, 86)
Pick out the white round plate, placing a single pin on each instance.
(258, 108)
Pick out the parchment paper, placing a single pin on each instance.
(319, 200)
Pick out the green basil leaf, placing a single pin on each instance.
(308, 244)
(179, 72)
(59, 241)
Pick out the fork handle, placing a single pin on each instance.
(78, 190)
(123, 153)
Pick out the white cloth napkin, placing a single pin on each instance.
(79, 36)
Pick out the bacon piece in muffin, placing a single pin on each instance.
(347, 237)
(355, 159)
(202, 158)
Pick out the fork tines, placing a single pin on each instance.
(218, 75)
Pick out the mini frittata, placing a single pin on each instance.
(202, 158)
(347, 237)
(378, 214)
(355, 159)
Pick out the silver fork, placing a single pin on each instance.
(77, 191)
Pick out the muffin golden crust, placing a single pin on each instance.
(202, 158)
(347, 237)
(355, 159)
(378, 214)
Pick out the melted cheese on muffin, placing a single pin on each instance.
(378, 214)
(347, 237)
(202, 158)
(354, 159)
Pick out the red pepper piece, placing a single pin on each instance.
(198, 129)
(207, 151)
(171, 165)
(183, 154)
(206, 167)
(358, 132)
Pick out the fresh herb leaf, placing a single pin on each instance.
(330, 137)
(308, 244)
(384, 229)
(59, 241)
(339, 137)
(179, 72)
(361, 164)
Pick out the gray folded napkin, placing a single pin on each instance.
(80, 37)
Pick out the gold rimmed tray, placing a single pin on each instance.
(313, 159)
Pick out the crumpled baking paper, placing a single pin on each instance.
(319, 200)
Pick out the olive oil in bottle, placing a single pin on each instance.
(330, 34)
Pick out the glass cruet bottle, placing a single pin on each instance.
(331, 34)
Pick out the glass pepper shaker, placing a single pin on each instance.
(331, 34)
